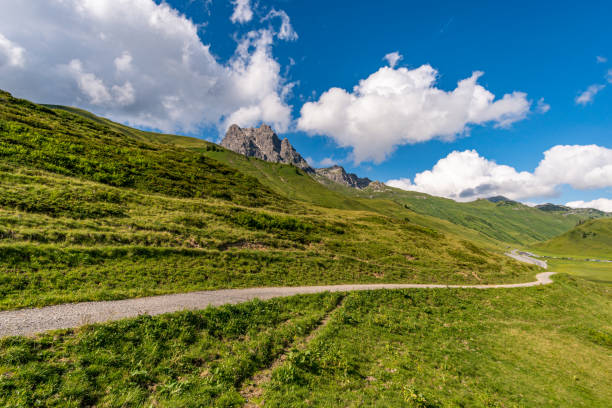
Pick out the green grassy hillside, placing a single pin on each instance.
(68, 144)
(87, 212)
(590, 239)
(505, 221)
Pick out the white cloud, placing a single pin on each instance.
(609, 76)
(394, 107)
(286, 31)
(601, 60)
(542, 107)
(582, 167)
(603, 204)
(10, 53)
(124, 62)
(393, 58)
(242, 11)
(465, 176)
(140, 63)
(588, 95)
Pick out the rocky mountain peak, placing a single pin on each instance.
(263, 144)
(337, 174)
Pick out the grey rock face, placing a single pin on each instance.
(263, 144)
(338, 175)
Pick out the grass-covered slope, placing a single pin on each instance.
(536, 347)
(87, 213)
(65, 143)
(530, 347)
(592, 238)
(505, 221)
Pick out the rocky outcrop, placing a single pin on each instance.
(338, 175)
(264, 144)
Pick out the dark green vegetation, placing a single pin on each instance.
(536, 347)
(589, 239)
(544, 346)
(91, 210)
(182, 359)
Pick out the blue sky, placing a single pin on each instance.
(547, 50)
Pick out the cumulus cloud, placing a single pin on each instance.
(603, 204)
(582, 167)
(588, 95)
(601, 60)
(140, 63)
(542, 107)
(11, 54)
(242, 11)
(286, 31)
(393, 58)
(465, 176)
(609, 76)
(394, 107)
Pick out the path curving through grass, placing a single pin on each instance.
(33, 321)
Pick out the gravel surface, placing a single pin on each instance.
(32, 321)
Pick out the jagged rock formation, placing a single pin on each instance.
(264, 144)
(377, 186)
(338, 175)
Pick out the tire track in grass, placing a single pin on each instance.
(252, 390)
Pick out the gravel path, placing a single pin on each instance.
(524, 257)
(32, 321)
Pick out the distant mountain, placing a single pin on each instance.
(552, 207)
(549, 207)
(263, 144)
(500, 199)
(337, 174)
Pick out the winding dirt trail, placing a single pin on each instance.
(33, 321)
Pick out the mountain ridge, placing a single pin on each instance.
(263, 143)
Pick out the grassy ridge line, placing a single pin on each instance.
(141, 135)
